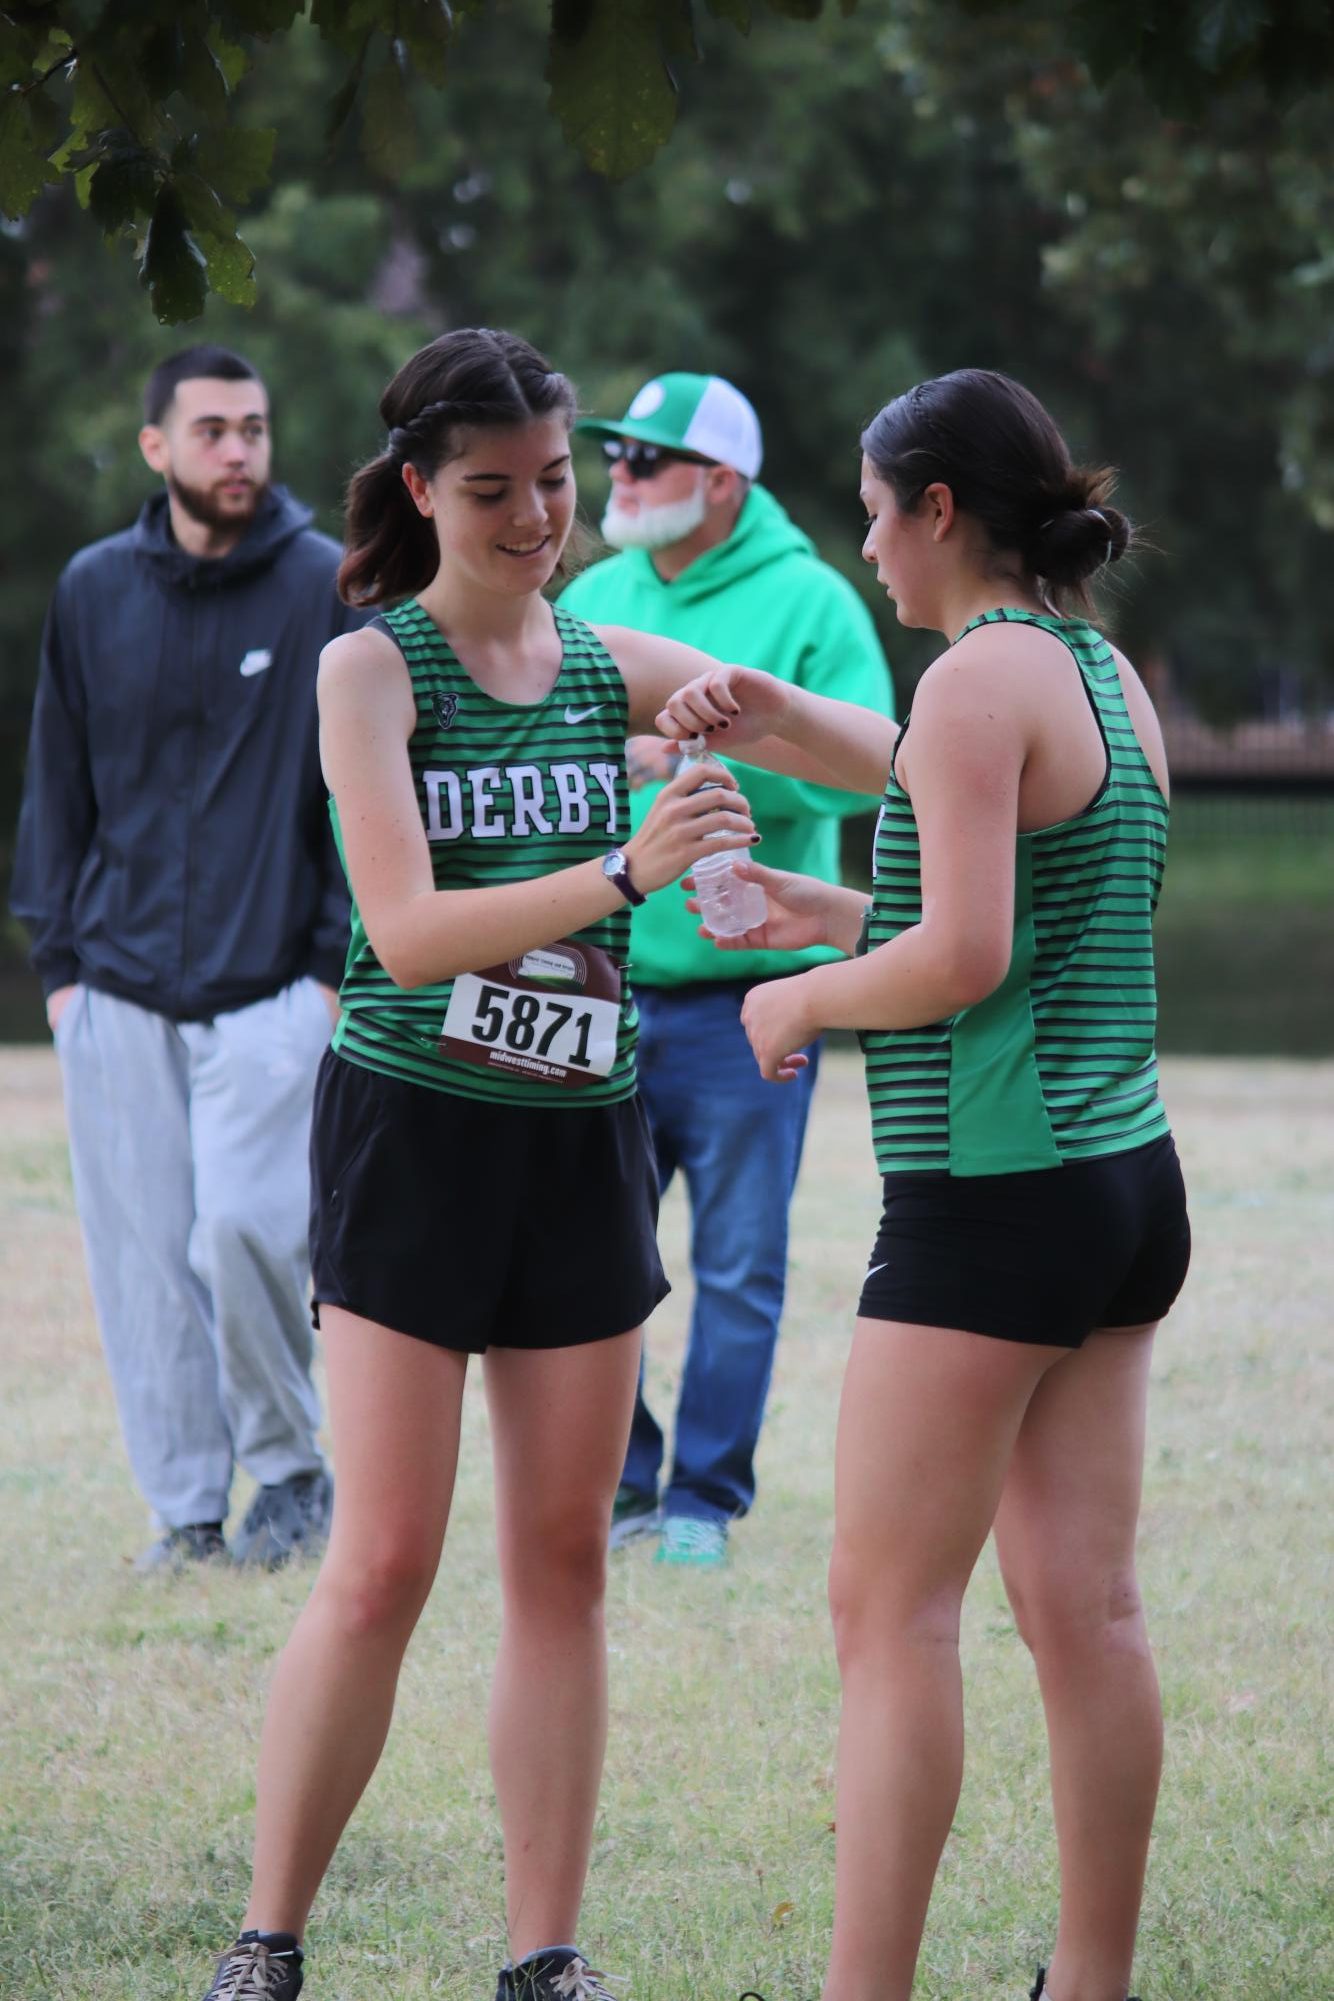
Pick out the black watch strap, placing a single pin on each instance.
(617, 870)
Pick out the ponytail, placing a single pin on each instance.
(389, 549)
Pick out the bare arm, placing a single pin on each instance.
(657, 670)
(421, 934)
(850, 750)
(758, 718)
(845, 914)
(800, 910)
(967, 756)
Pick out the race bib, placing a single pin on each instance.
(551, 1016)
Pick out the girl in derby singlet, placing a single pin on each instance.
(482, 1181)
(1034, 1228)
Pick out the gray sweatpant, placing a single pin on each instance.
(189, 1148)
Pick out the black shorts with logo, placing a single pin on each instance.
(472, 1225)
(1047, 1256)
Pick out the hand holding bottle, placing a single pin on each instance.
(800, 910)
(793, 914)
(698, 814)
(729, 906)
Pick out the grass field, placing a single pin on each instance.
(130, 1708)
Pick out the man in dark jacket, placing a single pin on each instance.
(189, 921)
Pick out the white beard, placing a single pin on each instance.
(654, 527)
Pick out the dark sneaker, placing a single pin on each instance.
(562, 1974)
(1037, 1990)
(290, 1519)
(632, 1515)
(199, 1542)
(255, 1969)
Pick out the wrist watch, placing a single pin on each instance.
(617, 869)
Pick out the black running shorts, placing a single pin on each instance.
(475, 1225)
(1045, 1257)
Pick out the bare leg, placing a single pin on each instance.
(928, 1419)
(1066, 1535)
(560, 1419)
(394, 1406)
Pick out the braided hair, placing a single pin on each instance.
(474, 376)
(998, 450)
(420, 431)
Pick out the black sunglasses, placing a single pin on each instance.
(643, 461)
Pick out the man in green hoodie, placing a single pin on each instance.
(709, 557)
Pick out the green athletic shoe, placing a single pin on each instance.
(686, 1539)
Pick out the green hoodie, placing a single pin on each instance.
(764, 598)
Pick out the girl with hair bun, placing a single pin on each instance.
(482, 1179)
(1034, 1229)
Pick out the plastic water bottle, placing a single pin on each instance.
(727, 905)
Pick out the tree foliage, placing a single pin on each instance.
(135, 104)
(944, 186)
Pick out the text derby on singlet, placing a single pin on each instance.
(492, 802)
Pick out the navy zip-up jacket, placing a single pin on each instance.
(174, 845)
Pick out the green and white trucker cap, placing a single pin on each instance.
(691, 413)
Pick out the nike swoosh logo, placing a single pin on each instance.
(582, 715)
(874, 1269)
(258, 658)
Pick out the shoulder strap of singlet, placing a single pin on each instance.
(570, 626)
(1097, 670)
(405, 617)
(1012, 615)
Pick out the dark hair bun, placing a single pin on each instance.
(1077, 540)
(990, 441)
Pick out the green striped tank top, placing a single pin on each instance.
(1058, 1064)
(506, 792)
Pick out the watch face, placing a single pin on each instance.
(614, 863)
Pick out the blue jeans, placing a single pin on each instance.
(737, 1140)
